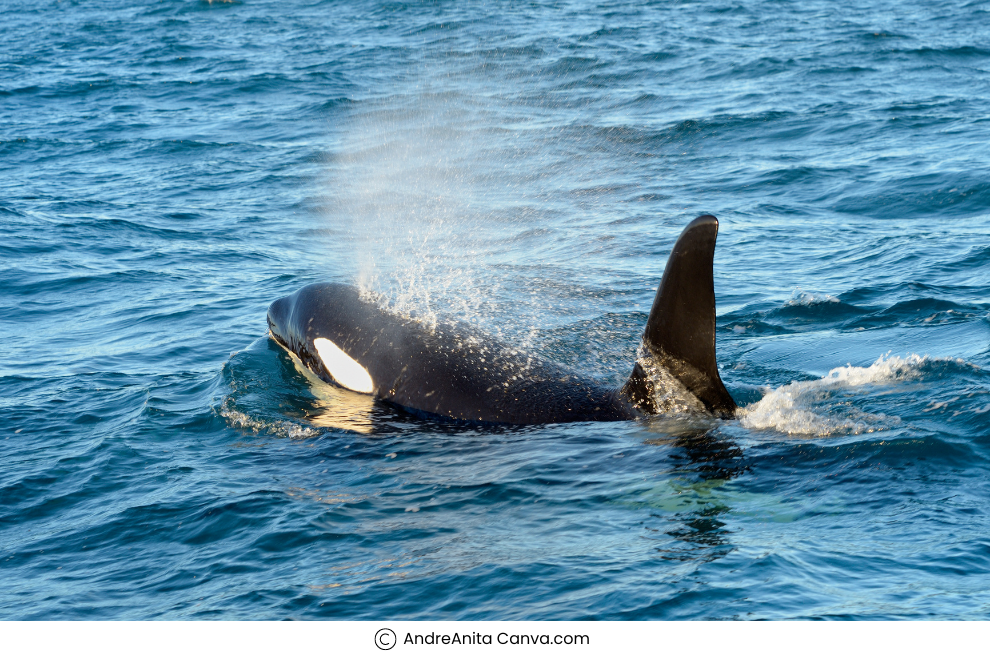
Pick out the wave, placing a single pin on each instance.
(951, 52)
(872, 307)
(278, 428)
(949, 194)
(810, 407)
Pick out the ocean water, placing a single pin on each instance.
(167, 169)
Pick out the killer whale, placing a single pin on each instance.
(454, 371)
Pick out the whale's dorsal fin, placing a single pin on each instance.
(680, 333)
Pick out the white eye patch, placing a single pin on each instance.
(342, 367)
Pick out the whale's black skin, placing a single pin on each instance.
(455, 371)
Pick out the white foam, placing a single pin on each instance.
(811, 407)
(280, 428)
(805, 299)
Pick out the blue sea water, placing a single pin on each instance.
(169, 168)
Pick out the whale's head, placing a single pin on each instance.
(332, 311)
(279, 313)
(322, 325)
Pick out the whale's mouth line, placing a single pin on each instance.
(278, 340)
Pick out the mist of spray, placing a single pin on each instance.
(455, 204)
(412, 184)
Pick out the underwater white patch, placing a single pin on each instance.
(343, 368)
